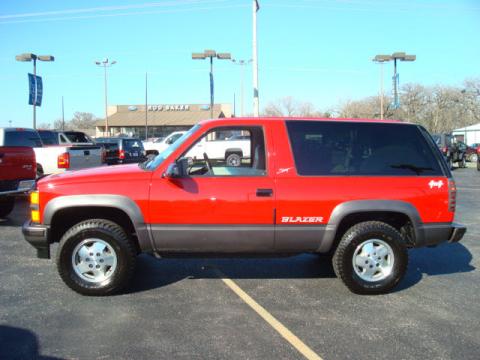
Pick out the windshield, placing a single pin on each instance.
(156, 161)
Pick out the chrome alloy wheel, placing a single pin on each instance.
(373, 260)
(94, 260)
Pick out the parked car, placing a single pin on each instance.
(451, 150)
(153, 148)
(476, 147)
(18, 170)
(364, 190)
(233, 149)
(122, 150)
(72, 138)
(56, 158)
(478, 158)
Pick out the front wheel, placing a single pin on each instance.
(463, 163)
(371, 258)
(96, 257)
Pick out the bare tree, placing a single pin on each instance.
(288, 106)
(80, 121)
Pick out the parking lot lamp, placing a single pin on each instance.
(34, 58)
(242, 64)
(401, 56)
(106, 64)
(381, 59)
(211, 54)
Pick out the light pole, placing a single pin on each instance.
(402, 57)
(381, 59)
(30, 57)
(105, 64)
(242, 64)
(211, 54)
(256, 102)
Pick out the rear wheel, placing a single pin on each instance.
(96, 257)
(7, 203)
(233, 160)
(371, 258)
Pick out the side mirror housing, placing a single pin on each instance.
(178, 169)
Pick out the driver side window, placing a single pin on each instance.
(228, 151)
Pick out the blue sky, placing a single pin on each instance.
(317, 51)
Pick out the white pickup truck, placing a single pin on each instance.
(53, 159)
(232, 150)
(159, 145)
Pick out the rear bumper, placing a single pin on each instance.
(37, 236)
(17, 187)
(434, 234)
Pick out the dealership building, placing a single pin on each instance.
(160, 119)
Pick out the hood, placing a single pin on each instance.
(97, 174)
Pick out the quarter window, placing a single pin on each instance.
(348, 148)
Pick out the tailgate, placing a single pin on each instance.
(17, 163)
(85, 156)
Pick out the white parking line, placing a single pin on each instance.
(298, 344)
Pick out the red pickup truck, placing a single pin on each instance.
(17, 175)
(362, 190)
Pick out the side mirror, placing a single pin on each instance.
(178, 169)
(169, 141)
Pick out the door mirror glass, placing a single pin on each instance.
(177, 169)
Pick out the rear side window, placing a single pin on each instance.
(347, 148)
(22, 138)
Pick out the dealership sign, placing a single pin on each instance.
(168, 107)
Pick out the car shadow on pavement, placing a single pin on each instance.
(17, 343)
(442, 260)
(152, 273)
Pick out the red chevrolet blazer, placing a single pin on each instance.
(363, 191)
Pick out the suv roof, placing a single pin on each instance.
(283, 118)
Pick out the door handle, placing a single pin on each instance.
(264, 192)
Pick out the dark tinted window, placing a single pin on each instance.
(22, 138)
(347, 148)
(77, 137)
(132, 145)
(49, 137)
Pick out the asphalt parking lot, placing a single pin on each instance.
(183, 309)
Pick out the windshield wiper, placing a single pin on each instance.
(416, 169)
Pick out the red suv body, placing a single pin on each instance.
(363, 190)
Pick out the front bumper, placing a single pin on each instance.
(434, 234)
(16, 187)
(37, 236)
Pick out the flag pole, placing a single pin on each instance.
(256, 105)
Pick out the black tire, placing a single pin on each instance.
(450, 164)
(233, 160)
(355, 236)
(478, 164)
(116, 238)
(7, 203)
(463, 163)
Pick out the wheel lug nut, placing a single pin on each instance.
(91, 254)
(98, 266)
(366, 261)
(87, 259)
(90, 266)
(101, 260)
(98, 254)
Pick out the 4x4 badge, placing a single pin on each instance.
(437, 184)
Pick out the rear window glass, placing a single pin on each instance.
(133, 145)
(77, 137)
(22, 138)
(346, 148)
(48, 137)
